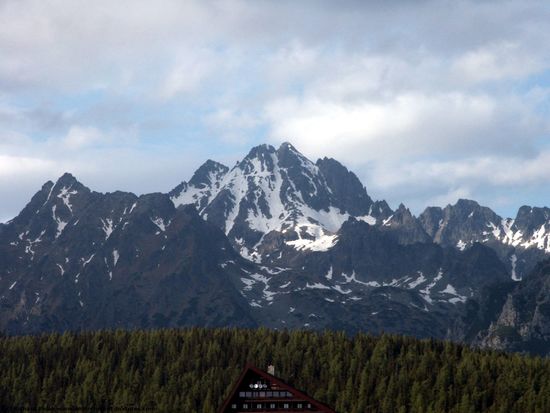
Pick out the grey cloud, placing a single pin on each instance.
(376, 84)
(47, 43)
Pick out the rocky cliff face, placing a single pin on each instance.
(279, 241)
(521, 242)
(523, 323)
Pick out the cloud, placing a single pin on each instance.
(79, 137)
(13, 166)
(232, 125)
(474, 173)
(135, 166)
(424, 100)
(187, 74)
(496, 62)
(408, 125)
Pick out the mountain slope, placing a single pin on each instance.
(276, 196)
(76, 259)
(277, 240)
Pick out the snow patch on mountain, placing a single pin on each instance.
(65, 196)
(116, 256)
(513, 262)
(323, 243)
(248, 283)
(60, 223)
(539, 240)
(450, 290)
(159, 222)
(427, 291)
(256, 278)
(318, 286)
(328, 275)
(29, 249)
(369, 219)
(107, 226)
(352, 278)
(190, 195)
(421, 279)
(339, 289)
(238, 186)
(87, 261)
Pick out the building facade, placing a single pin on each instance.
(260, 391)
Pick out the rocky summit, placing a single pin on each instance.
(277, 241)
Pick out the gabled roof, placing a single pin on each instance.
(250, 368)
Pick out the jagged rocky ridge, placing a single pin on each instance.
(523, 323)
(277, 240)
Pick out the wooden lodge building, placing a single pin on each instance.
(259, 391)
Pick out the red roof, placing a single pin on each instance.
(297, 395)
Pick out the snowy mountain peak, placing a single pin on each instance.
(519, 242)
(529, 218)
(208, 174)
(67, 180)
(261, 152)
(287, 146)
(278, 192)
(55, 202)
(202, 187)
(286, 153)
(277, 201)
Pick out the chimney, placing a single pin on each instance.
(271, 369)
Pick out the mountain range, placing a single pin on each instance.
(277, 241)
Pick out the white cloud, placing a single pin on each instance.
(505, 171)
(496, 62)
(15, 166)
(188, 73)
(79, 137)
(448, 124)
(231, 125)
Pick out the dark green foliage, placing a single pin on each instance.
(192, 370)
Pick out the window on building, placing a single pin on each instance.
(272, 406)
(234, 406)
(286, 406)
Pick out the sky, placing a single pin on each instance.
(426, 101)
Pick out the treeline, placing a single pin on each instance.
(192, 370)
